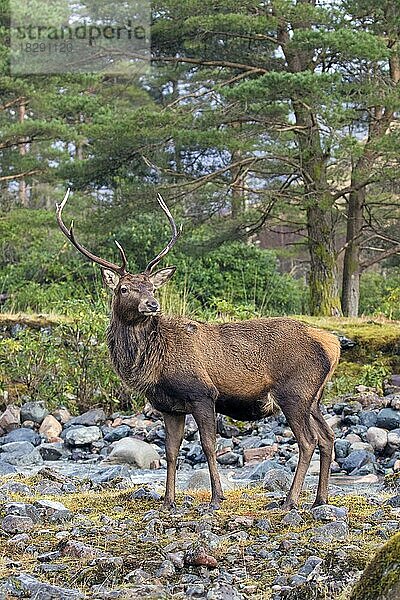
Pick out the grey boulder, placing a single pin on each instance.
(34, 411)
(388, 418)
(82, 436)
(133, 452)
(23, 434)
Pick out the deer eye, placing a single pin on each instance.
(124, 289)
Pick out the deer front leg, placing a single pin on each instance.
(204, 415)
(174, 430)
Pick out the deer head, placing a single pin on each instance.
(133, 294)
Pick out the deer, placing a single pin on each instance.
(246, 370)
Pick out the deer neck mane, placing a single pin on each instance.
(137, 350)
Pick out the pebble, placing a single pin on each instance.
(17, 524)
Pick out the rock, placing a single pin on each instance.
(334, 421)
(18, 541)
(51, 451)
(378, 438)
(292, 518)
(393, 439)
(53, 511)
(134, 452)
(34, 411)
(381, 577)
(311, 567)
(226, 429)
(342, 448)
(327, 512)
(195, 591)
(352, 437)
(17, 524)
(23, 509)
(200, 480)
(16, 487)
(109, 473)
(118, 433)
(228, 458)
(388, 418)
(23, 585)
(357, 459)
(23, 434)
(394, 502)
(77, 549)
(10, 418)
(277, 480)
(361, 446)
(252, 455)
(5, 467)
(145, 493)
(264, 524)
(50, 428)
(62, 415)
(21, 454)
(95, 416)
(368, 418)
(352, 408)
(82, 436)
(223, 591)
(395, 401)
(331, 531)
(345, 342)
(166, 569)
(197, 556)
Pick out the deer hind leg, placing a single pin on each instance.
(306, 437)
(204, 415)
(174, 430)
(325, 445)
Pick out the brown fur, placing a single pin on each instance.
(247, 370)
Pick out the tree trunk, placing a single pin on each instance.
(324, 298)
(22, 187)
(238, 199)
(351, 267)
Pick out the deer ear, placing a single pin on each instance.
(110, 279)
(162, 276)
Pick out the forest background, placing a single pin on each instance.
(271, 129)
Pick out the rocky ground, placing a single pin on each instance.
(80, 510)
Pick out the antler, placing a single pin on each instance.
(69, 233)
(175, 234)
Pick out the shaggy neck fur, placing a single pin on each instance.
(137, 350)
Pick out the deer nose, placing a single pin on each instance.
(152, 305)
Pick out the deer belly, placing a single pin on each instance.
(244, 409)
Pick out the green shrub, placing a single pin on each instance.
(245, 277)
(380, 294)
(67, 364)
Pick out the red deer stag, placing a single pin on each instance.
(246, 370)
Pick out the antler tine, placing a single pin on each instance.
(175, 235)
(123, 255)
(69, 233)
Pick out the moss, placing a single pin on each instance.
(32, 320)
(371, 335)
(121, 537)
(381, 578)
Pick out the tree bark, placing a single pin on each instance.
(351, 267)
(22, 189)
(323, 296)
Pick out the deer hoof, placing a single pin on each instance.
(289, 504)
(215, 503)
(319, 502)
